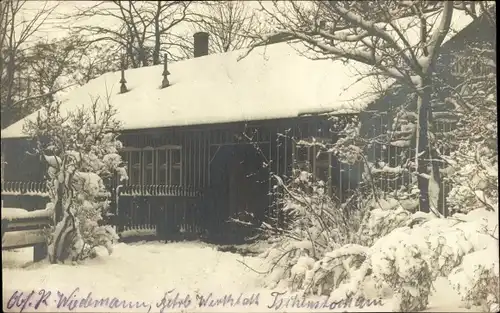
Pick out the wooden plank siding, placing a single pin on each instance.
(200, 145)
(191, 205)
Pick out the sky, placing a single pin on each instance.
(54, 27)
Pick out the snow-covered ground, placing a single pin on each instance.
(144, 272)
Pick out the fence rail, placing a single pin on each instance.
(159, 190)
(27, 230)
(25, 188)
(163, 211)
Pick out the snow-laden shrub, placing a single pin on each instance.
(397, 264)
(328, 274)
(80, 149)
(290, 259)
(473, 164)
(474, 176)
(344, 268)
(384, 216)
(313, 223)
(402, 263)
(477, 278)
(451, 239)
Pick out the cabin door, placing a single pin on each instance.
(238, 183)
(248, 181)
(217, 199)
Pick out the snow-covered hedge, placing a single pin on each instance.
(402, 262)
(477, 278)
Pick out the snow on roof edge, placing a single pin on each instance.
(221, 63)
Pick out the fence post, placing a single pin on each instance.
(40, 252)
(119, 223)
(5, 224)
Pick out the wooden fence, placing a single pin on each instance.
(27, 229)
(161, 211)
(28, 195)
(164, 212)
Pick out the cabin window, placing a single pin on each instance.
(169, 166)
(148, 169)
(162, 167)
(134, 167)
(175, 155)
(154, 166)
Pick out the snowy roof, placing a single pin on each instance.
(273, 81)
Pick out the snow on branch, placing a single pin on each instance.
(81, 151)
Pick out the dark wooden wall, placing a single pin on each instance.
(189, 207)
(22, 176)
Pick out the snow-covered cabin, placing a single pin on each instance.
(203, 148)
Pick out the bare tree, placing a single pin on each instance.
(53, 65)
(96, 60)
(143, 30)
(369, 33)
(16, 30)
(232, 25)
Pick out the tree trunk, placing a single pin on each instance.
(435, 167)
(130, 52)
(422, 153)
(64, 240)
(156, 51)
(58, 207)
(142, 55)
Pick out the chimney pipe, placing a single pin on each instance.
(200, 44)
(165, 83)
(123, 81)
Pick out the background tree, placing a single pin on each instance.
(232, 25)
(53, 65)
(17, 29)
(97, 60)
(369, 33)
(143, 30)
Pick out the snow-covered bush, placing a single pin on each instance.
(477, 278)
(474, 176)
(383, 216)
(80, 149)
(313, 223)
(402, 263)
(399, 262)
